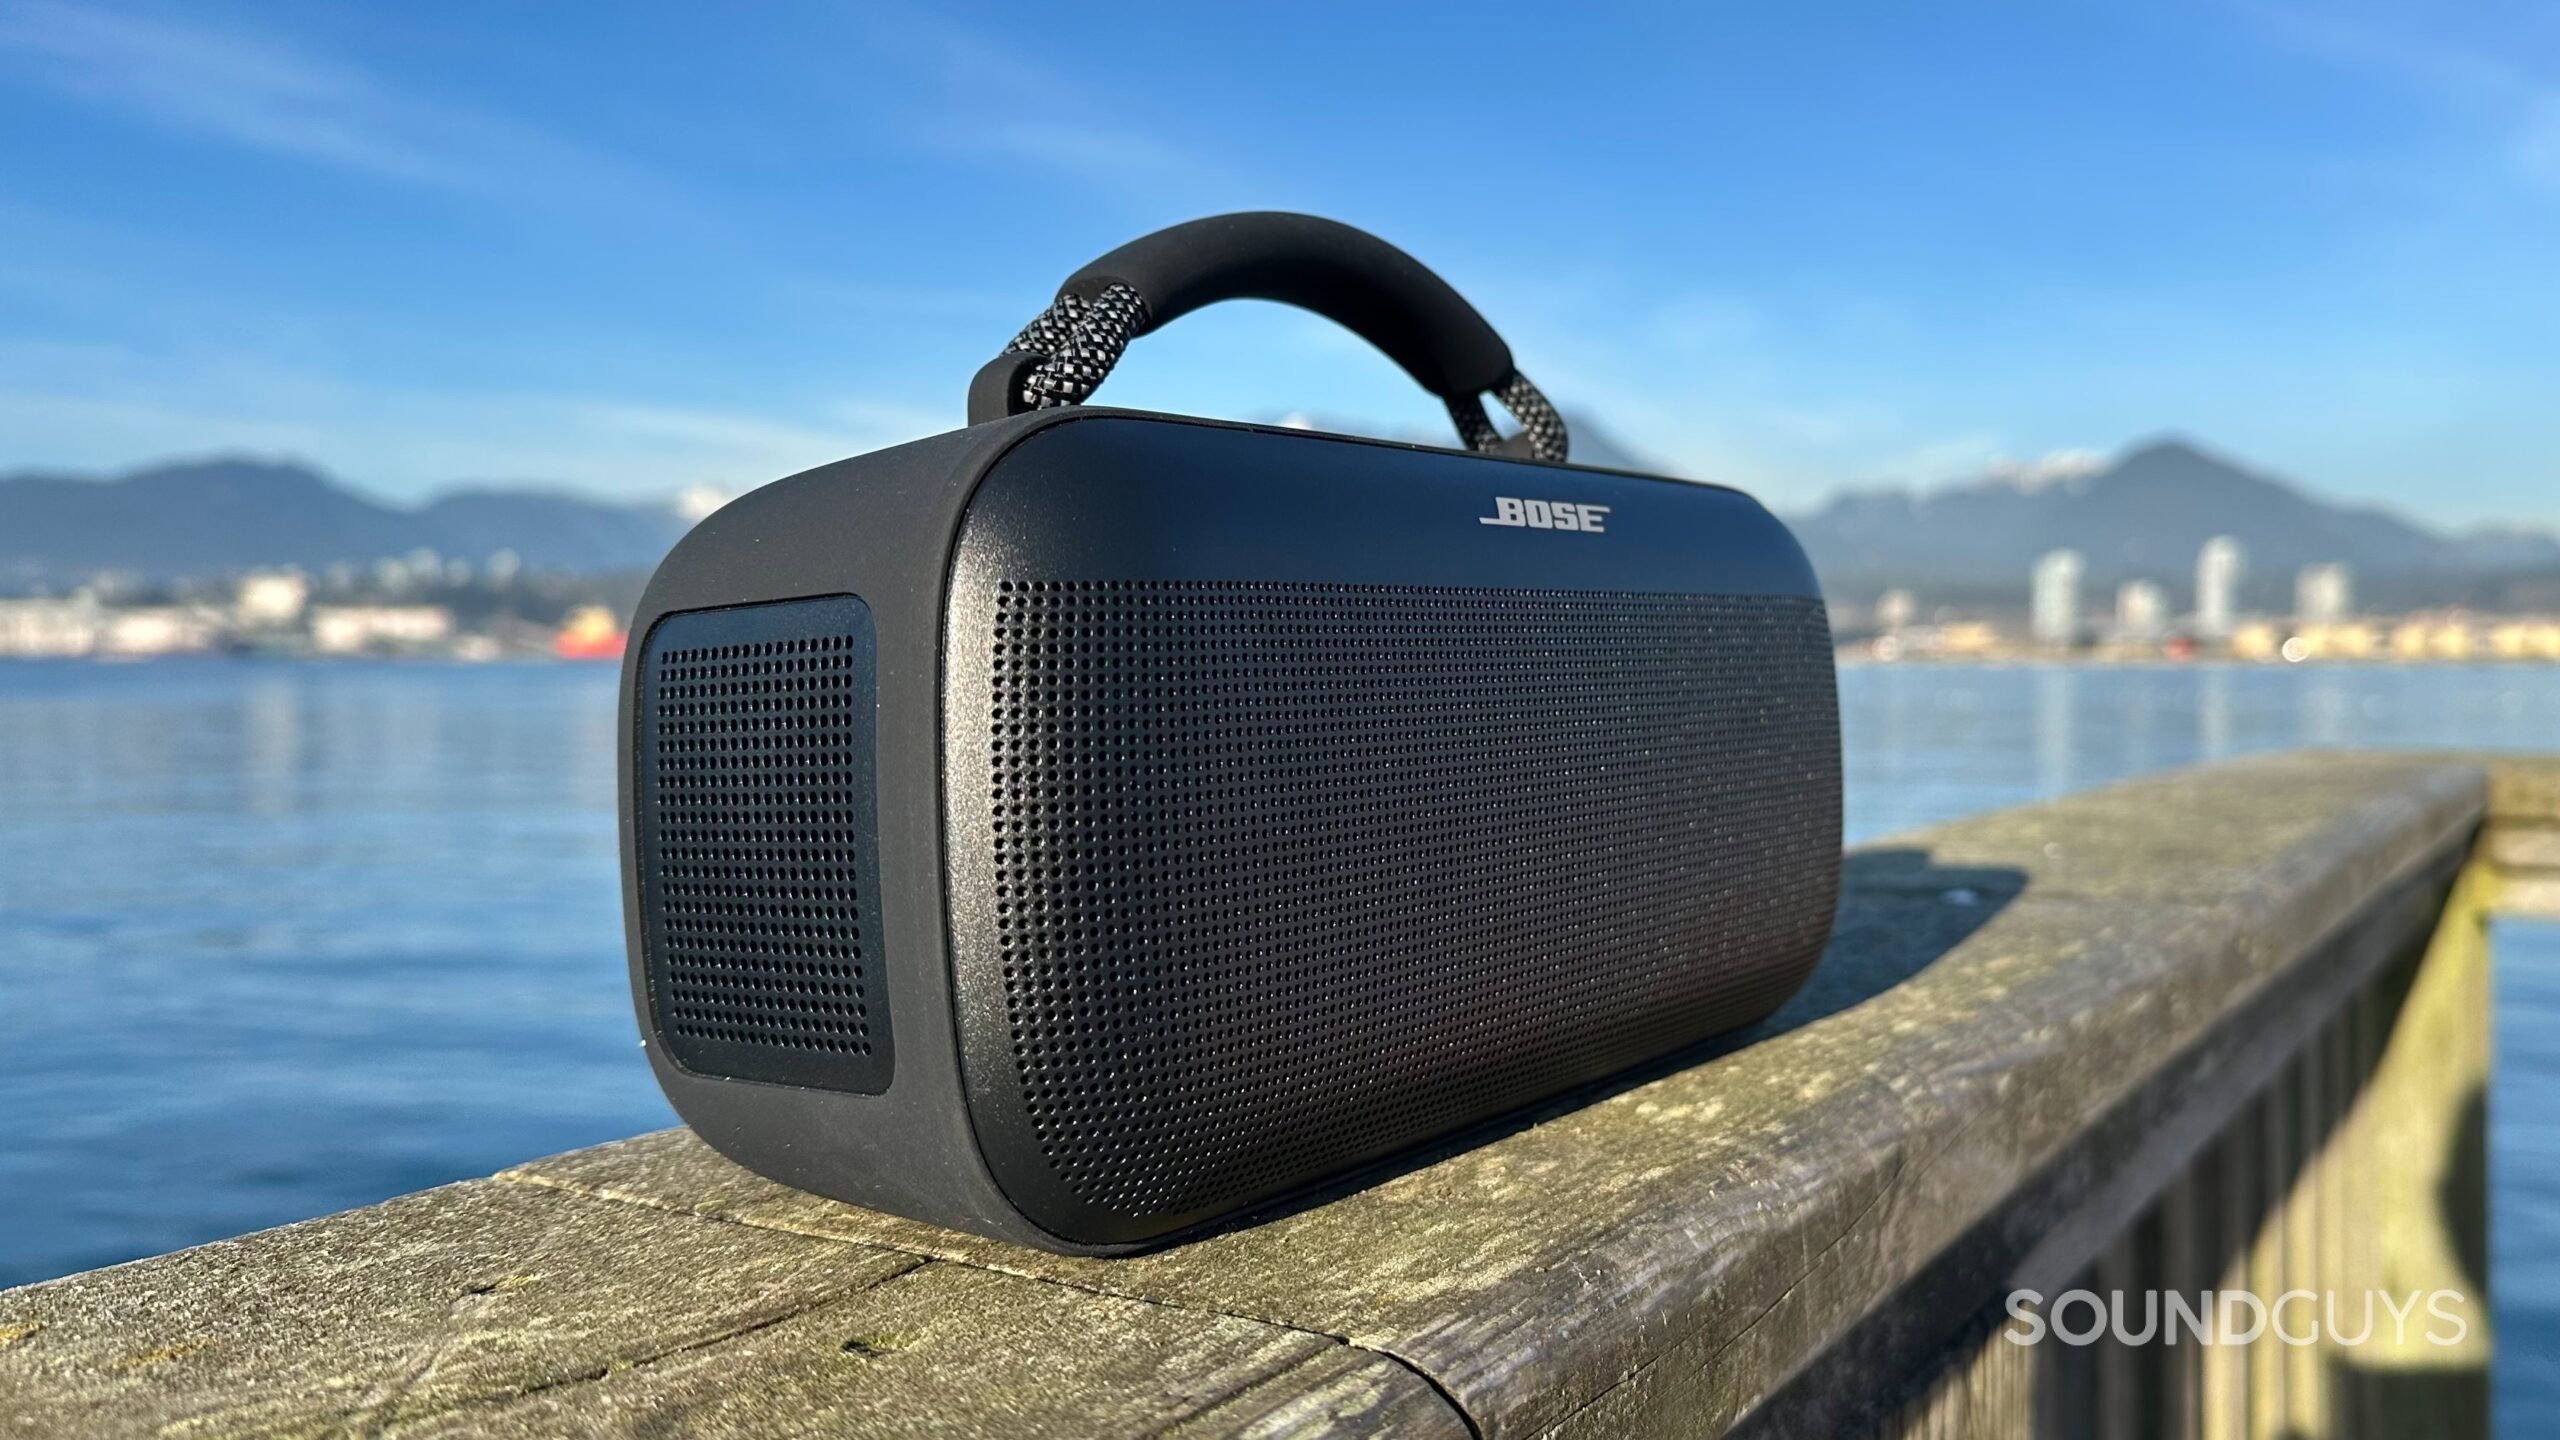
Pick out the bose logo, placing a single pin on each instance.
(1546, 515)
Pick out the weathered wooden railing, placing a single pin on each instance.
(2223, 1030)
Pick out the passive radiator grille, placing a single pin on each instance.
(755, 818)
(1292, 876)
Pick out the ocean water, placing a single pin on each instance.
(277, 939)
(2524, 1179)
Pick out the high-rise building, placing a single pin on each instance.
(2054, 609)
(2220, 565)
(2323, 594)
(2142, 611)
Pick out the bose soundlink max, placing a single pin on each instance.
(1090, 825)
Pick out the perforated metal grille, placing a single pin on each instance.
(1292, 876)
(756, 816)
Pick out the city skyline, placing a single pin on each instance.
(2324, 622)
(635, 250)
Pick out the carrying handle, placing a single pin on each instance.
(1348, 276)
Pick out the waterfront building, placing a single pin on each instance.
(2220, 566)
(2323, 595)
(2344, 640)
(2054, 609)
(2142, 612)
(2258, 640)
(2526, 640)
(145, 630)
(356, 629)
(272, 599)
(38, 629)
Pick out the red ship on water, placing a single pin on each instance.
(590, 634)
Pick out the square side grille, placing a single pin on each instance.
(754, 810)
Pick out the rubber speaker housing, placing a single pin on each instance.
(1206, 812)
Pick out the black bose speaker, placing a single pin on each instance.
(1088, 825)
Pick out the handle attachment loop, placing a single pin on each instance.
(1347, 275)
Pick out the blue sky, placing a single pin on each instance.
(632, 247)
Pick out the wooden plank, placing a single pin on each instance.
(953, 1350)
(501, 1309)
(450, 1298)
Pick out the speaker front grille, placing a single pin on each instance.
(755, 817)
(1291, 876)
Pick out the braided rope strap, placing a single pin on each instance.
(1077, 341)
(1542, 432)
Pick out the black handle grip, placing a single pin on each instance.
(1349, 276)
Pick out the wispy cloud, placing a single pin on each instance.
(264, 92)
(999, 103)
(2420, 49)
(1092, 151)
(2537, 141)
(90, 406)
(747, 447)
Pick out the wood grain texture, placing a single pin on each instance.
(448, 1299)
(949, 1349)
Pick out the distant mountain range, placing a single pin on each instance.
(215, 517)
(2140, 516)
(207, 518)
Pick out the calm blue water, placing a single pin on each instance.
(2524, 1180)
(278, 939)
